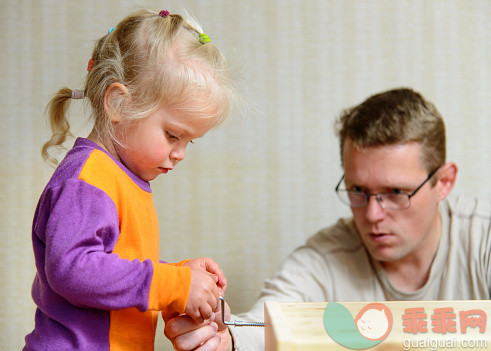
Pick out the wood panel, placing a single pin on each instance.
(415, 325)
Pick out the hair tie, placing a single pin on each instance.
(164, 13)
(90, 65)
(111, 30)
(77, 94)
(203, 38)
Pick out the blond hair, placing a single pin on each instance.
(394, 117)
(161, 62)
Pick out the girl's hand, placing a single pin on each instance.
(207, 284)
(203, 296)
(209, 265)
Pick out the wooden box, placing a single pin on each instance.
(388, 325)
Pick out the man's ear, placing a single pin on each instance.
(447, 176)
(114, 99)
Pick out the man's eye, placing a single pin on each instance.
(397, 191)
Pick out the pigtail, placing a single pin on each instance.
(56, 113)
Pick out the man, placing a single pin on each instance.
(405, 241)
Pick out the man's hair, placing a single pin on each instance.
(396, 116)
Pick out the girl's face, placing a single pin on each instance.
(157, 143)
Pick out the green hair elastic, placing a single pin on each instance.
(203, 38)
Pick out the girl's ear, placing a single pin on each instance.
(447, 175)
(114, 99)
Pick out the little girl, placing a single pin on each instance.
(155, 83)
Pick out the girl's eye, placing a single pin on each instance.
(171, 136)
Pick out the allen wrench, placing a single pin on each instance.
(238, 323)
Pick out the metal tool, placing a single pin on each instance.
(238, 323)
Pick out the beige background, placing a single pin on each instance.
(254, 189)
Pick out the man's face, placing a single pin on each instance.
(393, 235)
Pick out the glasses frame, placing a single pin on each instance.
(377, 195)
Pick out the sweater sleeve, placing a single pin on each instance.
(167, 291)
(80, 230)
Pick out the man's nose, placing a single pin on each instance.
(375, 208)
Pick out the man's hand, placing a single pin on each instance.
(186, 334)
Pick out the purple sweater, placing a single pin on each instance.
(99, 283)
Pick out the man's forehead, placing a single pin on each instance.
(351, 149)
(394, 161)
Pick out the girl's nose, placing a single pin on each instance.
(178, 154)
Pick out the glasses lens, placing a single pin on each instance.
(352, 198)
(346, 197)
(357, 198)
(343, 196)
(395, 201)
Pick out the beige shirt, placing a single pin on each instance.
(334, 266)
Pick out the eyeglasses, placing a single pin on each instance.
(390, 201)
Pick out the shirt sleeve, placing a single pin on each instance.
(81, 228)
(300, 278)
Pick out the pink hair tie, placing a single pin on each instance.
(164, 13)
(90, 65)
